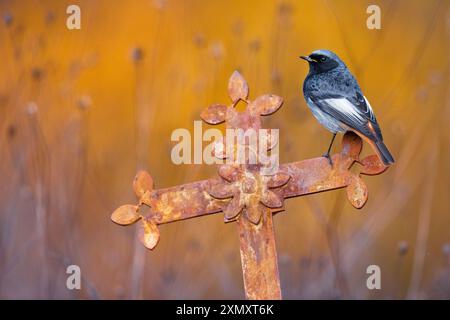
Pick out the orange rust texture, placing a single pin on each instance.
(183, 202)
(307, 176)
(259, 258)
(316, 175)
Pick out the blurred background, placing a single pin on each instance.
(82, 110)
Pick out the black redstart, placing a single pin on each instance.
(335, 99)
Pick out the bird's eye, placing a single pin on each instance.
(323, 59)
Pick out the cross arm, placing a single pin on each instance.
(317, 175)
(196, 199)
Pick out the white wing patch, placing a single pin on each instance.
(345, 107)
(369, 109)
(324, 118)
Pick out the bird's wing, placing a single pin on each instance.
(354, 111)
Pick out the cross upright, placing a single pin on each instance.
(246, 193)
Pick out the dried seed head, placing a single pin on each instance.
(446, 249)
(285, 8)
(11, 131)
(217, 50)
(137, 54)
(199, 40)
(422, 94)
(37, 73)
(403, 248)
(7, 19)
(32, 108)
(435, 78)
(84, 102)
(255, 45)
(238, 27)
(159, 4)
(49, 17)
(276, 77)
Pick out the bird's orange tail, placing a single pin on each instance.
(380, 148)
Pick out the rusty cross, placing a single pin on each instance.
(245, 195)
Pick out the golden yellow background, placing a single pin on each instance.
(79, 116)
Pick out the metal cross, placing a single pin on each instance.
(245, 195)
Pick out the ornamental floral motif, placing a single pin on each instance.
(238, 91)
(263, 105)
(148, 232)
(357, 192)
(249, 190)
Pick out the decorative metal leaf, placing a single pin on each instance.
(351, 144)
(233, 209)
(254, 212)
(125, 215)
(230, 173)
(148, 234)
(237, 87)
(232, 113)
(142, 182)
(146, 199)
(221, 190)
(277, 180)
(271, 200)
(357, 193)
(372, 165)
(267, 104)
(214, 114)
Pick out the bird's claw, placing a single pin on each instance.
(327, 155)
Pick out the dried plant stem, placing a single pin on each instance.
(41, 198)
(423, 228)
(142, 122)
(329, 227)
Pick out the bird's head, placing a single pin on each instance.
(323, 61)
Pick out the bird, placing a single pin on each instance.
(337, 102)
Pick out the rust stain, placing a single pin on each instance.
(259, 258)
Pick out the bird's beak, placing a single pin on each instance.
(308, 58)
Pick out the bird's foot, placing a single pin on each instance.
(327, 155)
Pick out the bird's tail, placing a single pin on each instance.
(384, 153)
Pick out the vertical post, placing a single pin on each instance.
(259, 258)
